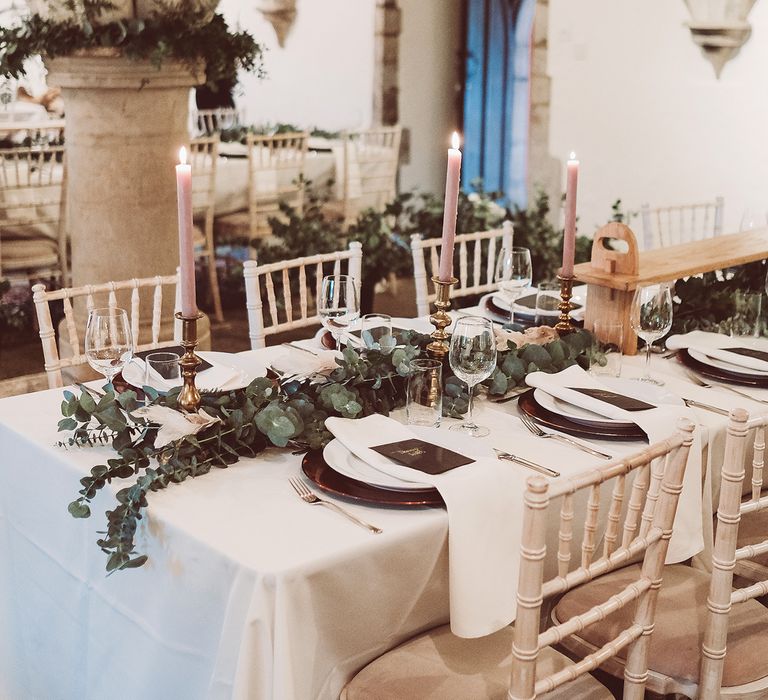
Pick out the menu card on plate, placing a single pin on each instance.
(626, 403)
(749, 352)
(175, 349)
(421, 455)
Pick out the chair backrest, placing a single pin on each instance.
(32, 196)
(203, 156)
(42, 299)
(275, 175)
(208, 122)
(367, 168)
(290, 274)
(475, 275)
(648, 514)
(667, 226)
(726, 555)
(33, 133)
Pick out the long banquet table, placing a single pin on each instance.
(248, 591)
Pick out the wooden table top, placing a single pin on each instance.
(676, 262)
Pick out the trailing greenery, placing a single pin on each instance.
(182, 32)
(268, 412)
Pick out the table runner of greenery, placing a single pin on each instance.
(243, 423)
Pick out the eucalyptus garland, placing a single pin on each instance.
(269, 412)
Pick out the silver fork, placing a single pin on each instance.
(696, 379)
(538, 432)
(312, 498)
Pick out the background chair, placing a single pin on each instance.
(294, 277)
(366, 171)
(204, 155)
(275, 176)
(477, 263)
(681, 224)
(697, 619)
(32, 211)
(437, 665)
(209, 122)
(42, 299)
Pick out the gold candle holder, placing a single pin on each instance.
(189, 397)
(438, 348)
(565, 324)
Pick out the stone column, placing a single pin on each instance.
(125, 123)
(385, 65)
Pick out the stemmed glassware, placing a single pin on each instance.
(514, 273)
(338, 304)
(473, 358)
(651, 318)
(108, 341)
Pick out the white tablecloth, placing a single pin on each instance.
(248, 592)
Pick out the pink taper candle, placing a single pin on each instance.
(451, 209)
(186, 244)
(569, 240)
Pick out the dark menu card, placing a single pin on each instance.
(749, 352)
(179, 351)
(424, 456)
(625, 402)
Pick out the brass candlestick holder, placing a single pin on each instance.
(565, 324)
(189, 397)
(438, 348)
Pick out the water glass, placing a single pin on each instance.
(108, 341)
(338, 304)
(607, 347)
(472, 356)
(424, 399)
(651, 318)
(162, 365)
(547, 304)
(747, 312)
(376, 333)
(514, 273)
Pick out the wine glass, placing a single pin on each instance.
(473, 358)
(108, 341)
(514, 273)
(651, 318)
(338, 305)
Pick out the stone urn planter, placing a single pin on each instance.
(57, 10)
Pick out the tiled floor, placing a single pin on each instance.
(21, 363)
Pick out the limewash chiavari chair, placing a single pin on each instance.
(275, 176)
(32, 199)
(208, 122)
(519, 663)
(42, 299)
(473, 276)
(204, 154)
(667, 226)
(710, 641)
(292, 274)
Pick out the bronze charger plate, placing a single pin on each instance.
(329, 480)
(583, 428)
(720, 374)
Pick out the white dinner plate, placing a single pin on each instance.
(722, 364)
(579, 296)
(638, 390)
(246, 372)
(348, 464)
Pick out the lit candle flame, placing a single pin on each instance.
(572, 156)
(183, 156)
(455, 140)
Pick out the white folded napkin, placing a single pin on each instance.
(658, 424)
(217, 376)
(716, 345)
(484, 502)
(305, 363)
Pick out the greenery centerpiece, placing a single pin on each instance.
(186, 31)
(157, 445)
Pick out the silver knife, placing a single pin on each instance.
(500, 454)
(697, 404)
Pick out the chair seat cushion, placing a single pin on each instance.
(437, 665)
(680, 621)
(19, 254)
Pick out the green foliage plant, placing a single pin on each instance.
(267, 413)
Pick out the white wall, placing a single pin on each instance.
(323, 76)
(429, 70)
(640, 105)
